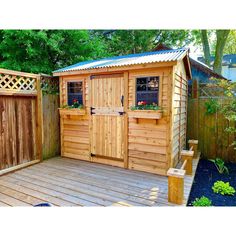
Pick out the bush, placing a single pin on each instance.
(223, 188)
(202, 201)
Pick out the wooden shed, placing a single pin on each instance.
(109, 127)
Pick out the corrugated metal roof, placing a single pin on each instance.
(127, 60)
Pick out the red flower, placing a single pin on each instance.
(75, 100)
(144, 103)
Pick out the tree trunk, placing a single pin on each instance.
(206, 47)
(220, 43)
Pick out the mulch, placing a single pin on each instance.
(206, 176)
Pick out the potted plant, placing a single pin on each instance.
(75, 109)
(145, 111)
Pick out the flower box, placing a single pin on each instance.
(72, 112)
(145, 114)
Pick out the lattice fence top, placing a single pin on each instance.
(10, 82)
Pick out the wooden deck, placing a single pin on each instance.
(68, 182)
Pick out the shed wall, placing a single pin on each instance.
(75, 129)
(179, 111)
(151, 147)
(148, 140)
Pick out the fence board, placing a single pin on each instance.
(16, 131)
(51, 126)
(214, 141)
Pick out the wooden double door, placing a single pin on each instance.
(108, 117)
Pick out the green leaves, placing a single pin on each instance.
(220, 165)
(223, 188)
(42, 51)
(202, 202)
(212, 106)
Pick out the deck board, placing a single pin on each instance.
(69, 182)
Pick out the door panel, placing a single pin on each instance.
(107, 117)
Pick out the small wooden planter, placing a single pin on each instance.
(72, 112)
(145, 114)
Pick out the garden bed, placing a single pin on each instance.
(206, 176)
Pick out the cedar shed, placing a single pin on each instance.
(106, 130)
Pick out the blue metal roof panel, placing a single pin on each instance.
(127, 60)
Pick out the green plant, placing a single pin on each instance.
(202, 201)
(220, 165)
(144, 106)
(223, 188)
(212, 106)
(74, 105)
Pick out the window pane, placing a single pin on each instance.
(75, 91)
(153, 83)
(147, 89)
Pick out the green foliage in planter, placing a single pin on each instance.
(220, 165)
(202, 201)
(144, 106)
(74, 105)
(223, 188)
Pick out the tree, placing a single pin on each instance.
(206, 47)
(230, 46)
(221, 38)
(220, 43)
(121, 42)
(42, 51)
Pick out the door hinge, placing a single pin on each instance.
(92, 155)
(121, 113)
(91, 110)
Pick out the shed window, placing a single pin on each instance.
(147, 89)
(75, 91)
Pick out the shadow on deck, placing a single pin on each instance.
(68, 182)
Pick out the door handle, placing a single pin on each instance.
(122, 100)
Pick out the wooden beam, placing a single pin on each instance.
(176, 185)
(116, 69)
(39, 119)
(18, 93)
(14, 168)
(17, 73)
(187, 156)
(194, 145)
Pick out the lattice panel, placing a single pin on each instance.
(19, 83)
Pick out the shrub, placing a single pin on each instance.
(223, 188)
(220, 165)
(202, 201)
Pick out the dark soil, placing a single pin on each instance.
(206, 176)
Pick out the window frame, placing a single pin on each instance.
(147, 76)
(83, 88)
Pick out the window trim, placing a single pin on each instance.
(83, 87)
(145, 76)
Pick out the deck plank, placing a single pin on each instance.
(69, 182)
(104, 183)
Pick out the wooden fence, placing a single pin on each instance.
(209, 129)
(51, 126)
(20, 120)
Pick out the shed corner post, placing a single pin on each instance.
(39, 119)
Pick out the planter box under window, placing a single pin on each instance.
(71, 112)
(145, 114)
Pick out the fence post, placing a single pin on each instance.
(175, 185)
(188, 156)
(193, 145)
